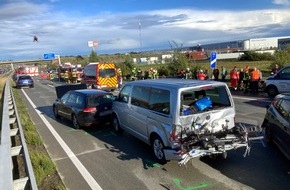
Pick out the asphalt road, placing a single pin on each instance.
(97, 158)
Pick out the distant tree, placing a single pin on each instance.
(94, 57)
(179, 60)
(282, 57)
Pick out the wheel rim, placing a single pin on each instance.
(272, 91)
(158, 149)
(75, 122)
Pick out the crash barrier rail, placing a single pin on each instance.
(13, 149)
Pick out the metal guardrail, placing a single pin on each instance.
(13, 148)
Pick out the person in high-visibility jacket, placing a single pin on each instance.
(74, 76)
(51, 76)
(255, 77)
(201, 75)
(66, 77)
(234, 76)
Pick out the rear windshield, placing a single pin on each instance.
(99, 99)
(24, 77)
(107, 73)
(194, 101)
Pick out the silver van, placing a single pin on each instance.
(158, 111)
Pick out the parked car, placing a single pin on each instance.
(161, 112)
(24, 81)
(277, 123)
(84, 107)
(279, 82)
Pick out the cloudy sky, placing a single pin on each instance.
(64, 27)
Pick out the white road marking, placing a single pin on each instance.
(83, 171)
(252, 99)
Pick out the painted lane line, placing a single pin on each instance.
(245, 98)
(83, 171)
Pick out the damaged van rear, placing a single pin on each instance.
(178, 117)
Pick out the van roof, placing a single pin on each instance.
(176, 83)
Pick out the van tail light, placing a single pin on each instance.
(175, 134)
(87, 110)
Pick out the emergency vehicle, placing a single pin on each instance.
(101, 76)
(61, 69)
(27, 69)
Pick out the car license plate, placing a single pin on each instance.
(105, 112)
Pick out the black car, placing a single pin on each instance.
(24, 81)
(84, 107)
(277, 123)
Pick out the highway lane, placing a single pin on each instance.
(123, 162)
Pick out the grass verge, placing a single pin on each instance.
(44, 168)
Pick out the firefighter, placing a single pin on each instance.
(155, 74)
(74, 76)
(66, 77)
(51, 76)
(47, 75)
(234, 76)
(42, 75)
(255, 78)
(201, 75)
(134, 72)
(139, 74)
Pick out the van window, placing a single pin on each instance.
(124, 94)
(160, 100)
(107, 73)
(285, 74)
(90, 71)
(217, 95)
(140, 96)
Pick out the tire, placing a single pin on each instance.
(116, 125)
(158, 149)
(272, 91)
(55, 113)
(75, 122)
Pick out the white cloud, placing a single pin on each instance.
(281, 2)
(68, 34)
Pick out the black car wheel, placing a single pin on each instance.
(75, 122)
(268, 135)
(158, 149)
(55, 112)
(116, 125)
(272, 91)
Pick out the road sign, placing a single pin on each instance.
(48, 56)
(213, 60)
(93, 43)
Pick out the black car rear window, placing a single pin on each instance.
(99, 99)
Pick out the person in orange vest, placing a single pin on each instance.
(234, 76)
(42, 75)
(255, 78)
(201, 75)
(47, 75)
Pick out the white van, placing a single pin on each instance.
(163, 112)
(279, 82)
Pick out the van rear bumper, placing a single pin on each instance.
(171, 154)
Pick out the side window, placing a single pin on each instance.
(64, 98)
(124, 94)
(285, 74)
(140, 96)
(160, 100)
(72, 98)
(284, 109)
(79, 100)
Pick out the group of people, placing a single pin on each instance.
(245, 79)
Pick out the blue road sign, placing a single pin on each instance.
(212, 59)
(48, 56)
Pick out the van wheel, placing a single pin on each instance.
(75, 122)
(272, 91)
(158, 149)
(116, 125)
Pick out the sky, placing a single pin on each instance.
(64, 27)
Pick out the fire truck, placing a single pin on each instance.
(27, 69)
